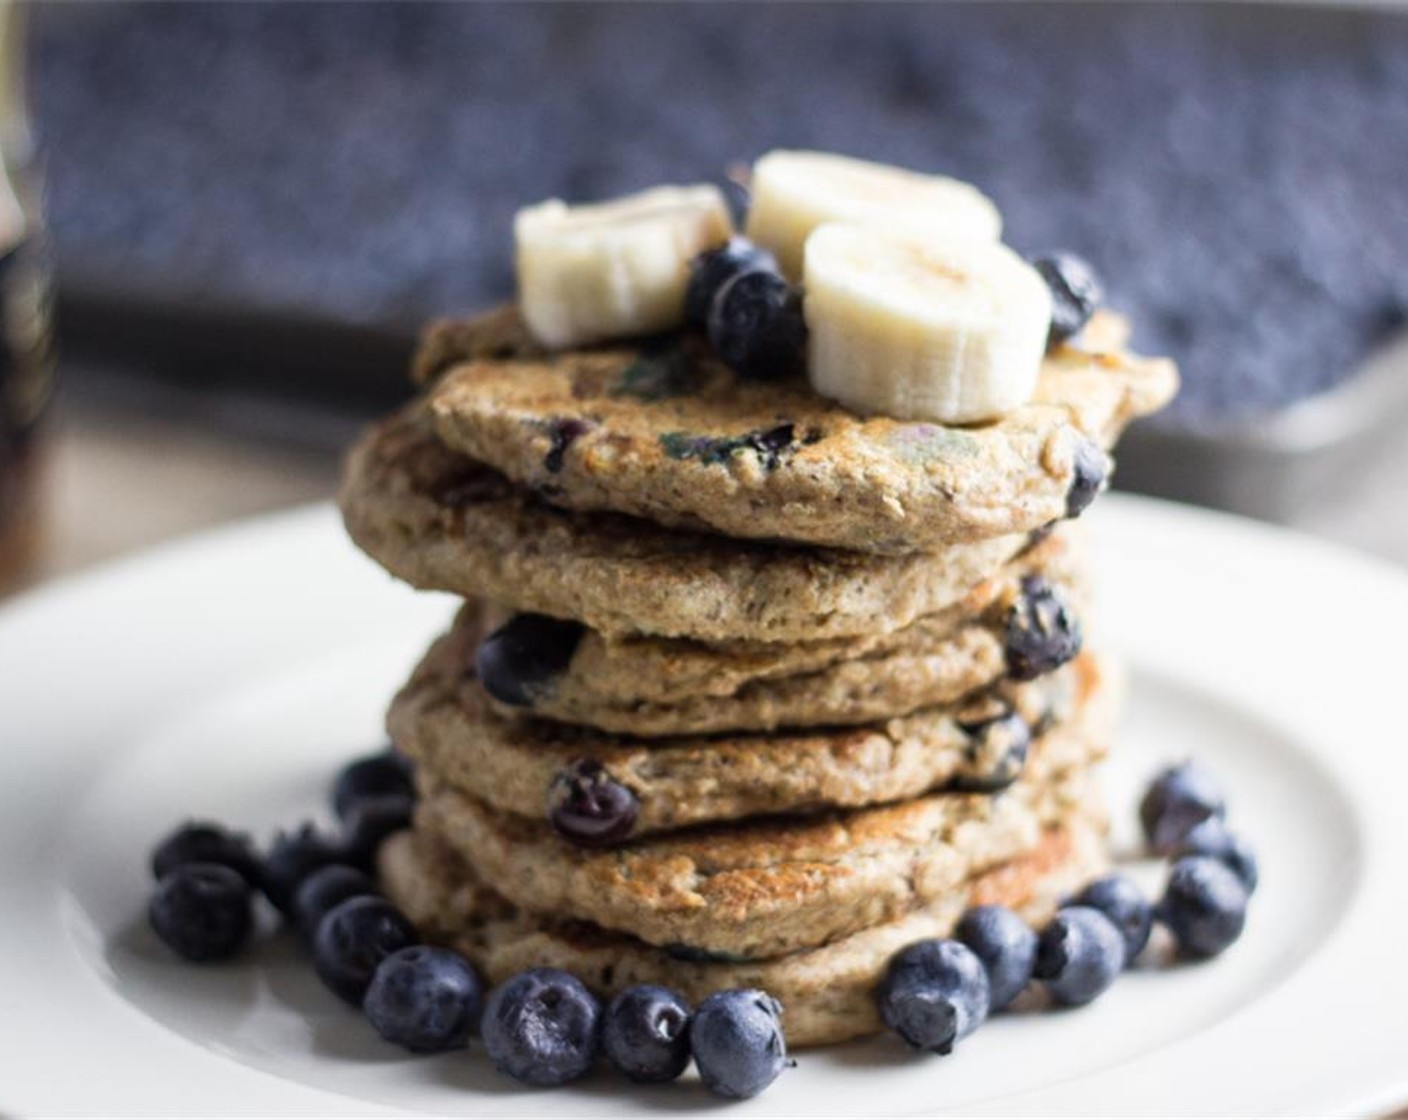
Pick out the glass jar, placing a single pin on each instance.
(27, 366)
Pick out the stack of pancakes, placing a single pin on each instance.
(746, 690)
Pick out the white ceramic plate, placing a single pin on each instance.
(229, 676)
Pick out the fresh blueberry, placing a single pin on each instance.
(541, 1027)
(203, 911)
(1041, 633)
(1007, 947)
(370, 821)
(737, 1040)
(353, 938)
(521, 660)
(325, 889)
(756, 326)
(1213, 838)
(206, 842)
(645, 1033)
(1121, 900)
(1090, 469)
(377, 775)
(711, 270)
(589, 807)
(292, 857)
(1075, 293)
(1079, 955)
(1178, 800)
(934, 994)
(1204, 906)
(425, 999)
(997, 751)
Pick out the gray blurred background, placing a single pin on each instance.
(255, 206)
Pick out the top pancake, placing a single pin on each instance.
(664, 432)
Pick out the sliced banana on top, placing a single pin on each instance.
(794, 192)
(919, 329)
(613, 269)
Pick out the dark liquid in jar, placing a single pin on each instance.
(26, 387)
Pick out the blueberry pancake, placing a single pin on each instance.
(665, 432)
(761, 887)
(551, 669)
(827, 993)
(524, 767)
(444, 522)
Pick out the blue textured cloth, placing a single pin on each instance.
(1238, 175)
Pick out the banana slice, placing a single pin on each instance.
(613, 269)
(922, 330)
(794, 192)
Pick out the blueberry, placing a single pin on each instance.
(1078, 955)
(562, 434)
(1041, 634)
(1120, 900)
(325, 889)
(353, 938)
(1007, 947)
(374, 776)
(203, 911)
(521, 660)
(997, 751)
(1075, 293)
(206, 842)
(292, 858)
(425, 999)
(737, 1040)
(1178, 800)
(1090, 469)
(541, 1027)
(1204, 906)
(589, 807)
(1213, 838)
(369, 822)
(711, 270)
(934, 994)
(645, 1033)
(756, 326)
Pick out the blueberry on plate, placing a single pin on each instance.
(542, 1027)
(376, 775)
(645, 1033)
(292, 857)
(737, 1041)
(370, 821)
(203, 911)
(1041, 634)
(1204, 906)
(206, 842)
(1178, 800)
(325, 889)
(522, 659)
(589, 807)
(1121, 900)
(1007, 947)
(711, 270)
(934, 994)
(425, 999)
(756, 326)
(1075, 293)
(1079, 955)
(353, 938)
(1213, 838)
